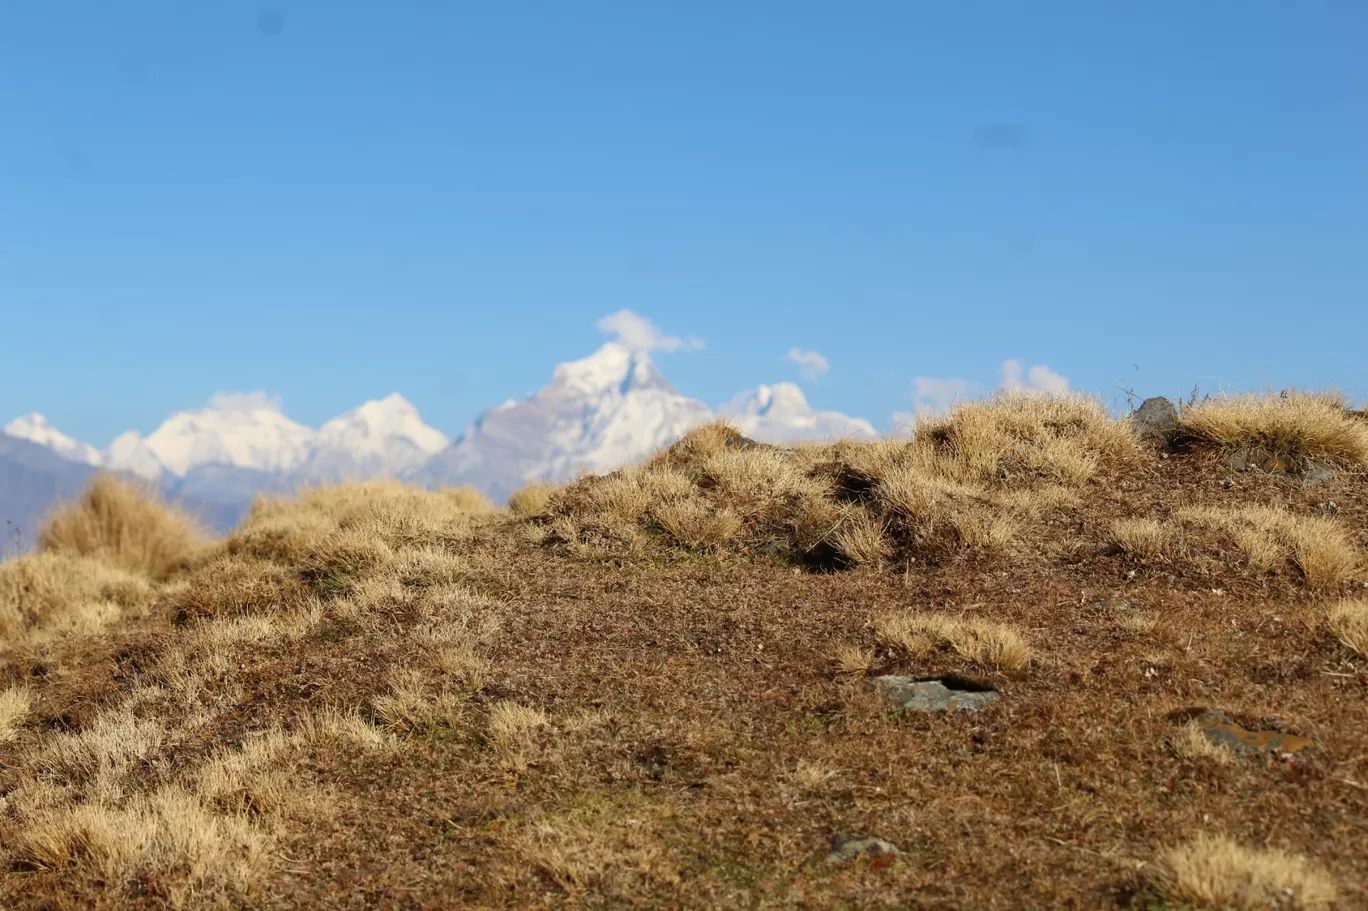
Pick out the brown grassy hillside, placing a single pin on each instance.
(658, 688)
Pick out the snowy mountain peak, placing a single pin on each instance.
(613, 367)
(128, 452)
(781, 414)
(781, 398)
(36, 429)
(245, 430)
(389, 428)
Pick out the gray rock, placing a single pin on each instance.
(845, 848)
(1155, 421)
(912, 695)
(1316, 473)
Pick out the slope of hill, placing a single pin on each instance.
(690, 684)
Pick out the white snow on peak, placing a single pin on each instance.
(36, 429)
(385, 436)
(244, 430)
(128, 452)
(613, 366)
(781, 414)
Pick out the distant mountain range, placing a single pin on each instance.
(610, 409)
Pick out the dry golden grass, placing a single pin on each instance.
(860, 538)
(980, 641)
(1216, 872)
(15, 703)
(1192, 744)
(974, 480)
(413, 705)
(1144, 539)
(531, 500)
(602, 850)
(696, 523)
(1349, 621)
(1058, 439)
(126, 525)
(46, 594)
(511, 724)
(1269, 535)
(1290, 428)
(852, 660)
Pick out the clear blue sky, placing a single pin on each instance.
(334, 200)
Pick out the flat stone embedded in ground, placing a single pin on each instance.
(912, 695)
(1222, 730)
(848, 847)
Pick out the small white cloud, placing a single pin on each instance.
(640, 334)
(811, 364)
(1037, 379)
(933, 395)
(257, 400)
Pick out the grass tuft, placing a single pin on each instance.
(1290, 428)
(1216, 872)
(1349, 621)
(127, 525)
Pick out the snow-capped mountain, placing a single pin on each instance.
(610, 409)
(36, 429)
(384, 437)
(243, 430)
(781, 414)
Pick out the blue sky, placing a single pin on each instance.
(334, 200)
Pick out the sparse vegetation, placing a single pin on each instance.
(653, 688)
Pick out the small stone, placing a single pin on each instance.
(847, 847)
(1316, 473)
(1221, 730)
(912, 695)
(1155, 421)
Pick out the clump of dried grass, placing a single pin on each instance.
(531, 500)
(1055, 439)
(1193, 744)
(512, 725)
(15, 703)
(852, 660)
(127, 525)
(1292, 427)
(1269, 535)
(1349, 622)
(1216, 872)
(413, 705)
(47, 593)
(980, 641)
(1144, 539)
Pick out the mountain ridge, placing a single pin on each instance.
(599, 413)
